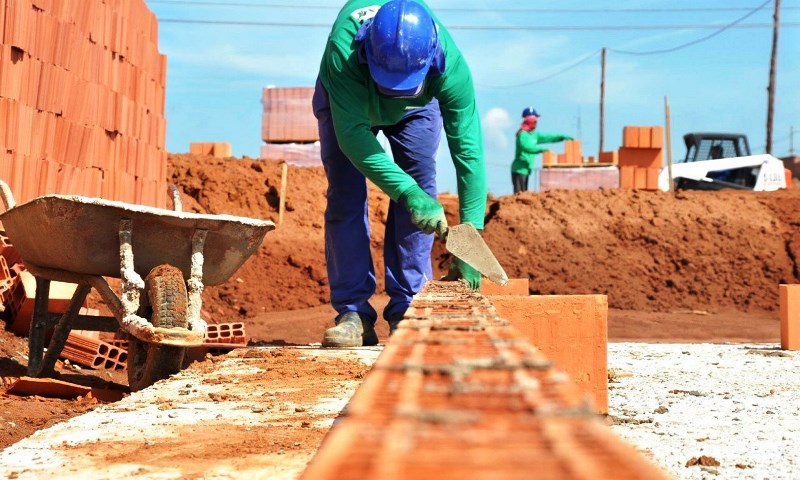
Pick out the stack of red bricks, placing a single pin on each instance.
(213, 149)
(18, 290)
(641, 157)
(460, 394)
(289, 128)
(577, 178)
(572, 155)
(82, 89)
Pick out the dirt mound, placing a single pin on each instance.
(288, 271)
(651, 251)
(648, 251)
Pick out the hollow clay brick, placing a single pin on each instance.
(515, 286)
(641, 157)
(790, 317)
(47, 387)
(94, 353)
(657, 137)
(630, 136)
(640, 178)
(572, 330)
(651, 177)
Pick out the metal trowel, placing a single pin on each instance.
(464, 241)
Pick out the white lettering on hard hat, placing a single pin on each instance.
(363, 14)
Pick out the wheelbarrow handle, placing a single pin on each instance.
(7, 196)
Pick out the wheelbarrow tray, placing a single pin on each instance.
(81, 235)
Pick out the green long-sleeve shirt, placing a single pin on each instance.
(528, 145)
(356, 107)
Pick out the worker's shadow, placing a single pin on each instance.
(11, 368)
(273, 197)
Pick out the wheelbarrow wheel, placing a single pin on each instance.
(149, 363)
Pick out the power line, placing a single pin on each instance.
(476, 10)
(240, 23)
(547, 77)
(695, 42)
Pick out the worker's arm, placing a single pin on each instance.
(462, 129)
(529, 142)
(552, 137)
(348, 95)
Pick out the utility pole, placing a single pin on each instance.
(602, 98)
(791, 141)
(668, 141)
(772, 67)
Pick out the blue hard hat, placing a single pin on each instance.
(529, 111)
(400, 47)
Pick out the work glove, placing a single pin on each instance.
(460, 269)
(426, 212)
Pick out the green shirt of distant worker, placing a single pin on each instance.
(529, 144)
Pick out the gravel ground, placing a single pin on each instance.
(705, 411)
(732, 407)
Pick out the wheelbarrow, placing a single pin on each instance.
(163, 259)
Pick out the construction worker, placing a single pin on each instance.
(528, 145)
(391, 66)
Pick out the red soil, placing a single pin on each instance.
(696, 266)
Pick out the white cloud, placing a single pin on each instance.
(495, 125)
(228, 58)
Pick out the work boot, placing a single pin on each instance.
(394, 322)
(350, 331)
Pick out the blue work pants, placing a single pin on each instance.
(414, 142)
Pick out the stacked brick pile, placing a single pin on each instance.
(639, 162)
(82, 100)
(214, 149)
(570, 174)
(289, 129)
(641, 157)
(572, 155)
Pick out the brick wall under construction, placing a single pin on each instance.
(82, 88)
(458, 393)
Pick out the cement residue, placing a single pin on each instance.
(227, 418)
(733, 403)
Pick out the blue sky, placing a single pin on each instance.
(544, 54)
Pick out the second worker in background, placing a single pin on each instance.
(528, 145)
